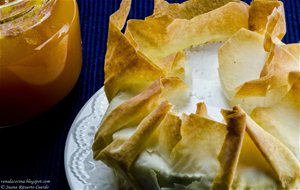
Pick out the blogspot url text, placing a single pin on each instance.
(6, 184)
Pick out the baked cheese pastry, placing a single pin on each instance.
(203, 95)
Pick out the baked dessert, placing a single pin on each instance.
(171, 81)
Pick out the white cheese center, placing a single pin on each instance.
(202, 71)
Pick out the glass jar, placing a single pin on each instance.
(40, 56)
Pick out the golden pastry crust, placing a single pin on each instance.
(257, 71)
(166, 35)
(188, 9)
(259, 12)
(230, 153)
(132, 111)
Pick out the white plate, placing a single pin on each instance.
(83, 173)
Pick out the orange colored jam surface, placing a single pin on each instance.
(40, 66)
(2, 2)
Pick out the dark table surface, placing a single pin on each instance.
(35, 150)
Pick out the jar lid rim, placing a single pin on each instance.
(20, 15)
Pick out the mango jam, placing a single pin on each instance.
(40, 56)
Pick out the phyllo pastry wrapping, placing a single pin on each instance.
(203, 95)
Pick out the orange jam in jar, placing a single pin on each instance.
(40, 56)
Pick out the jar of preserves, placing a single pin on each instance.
(40, 56)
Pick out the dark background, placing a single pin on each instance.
(35, 150)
